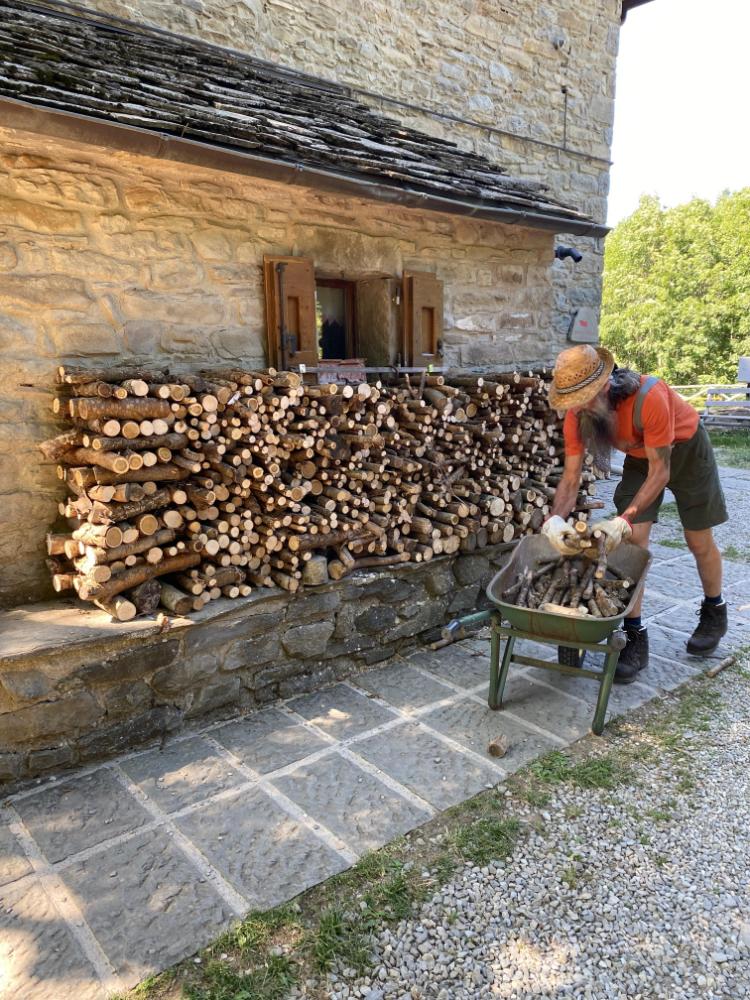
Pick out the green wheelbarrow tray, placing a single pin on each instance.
(628, 559)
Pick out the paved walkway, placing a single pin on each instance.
(116, 872)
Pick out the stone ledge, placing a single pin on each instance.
(75, 686)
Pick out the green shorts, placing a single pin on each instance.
(694, 480)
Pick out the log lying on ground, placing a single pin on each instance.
(289, 484)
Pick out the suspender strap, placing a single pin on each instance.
(640, 399)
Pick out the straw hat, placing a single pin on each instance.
(580, 374)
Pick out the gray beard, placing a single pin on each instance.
(598, 436)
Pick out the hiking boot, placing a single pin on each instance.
(711, 627)
(635, 655)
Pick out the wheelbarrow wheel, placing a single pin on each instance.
(570, 657)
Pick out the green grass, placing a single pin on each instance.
(271, 981)
(732, 447)
(693, 713)
(732, 552)
(606, 771)
(487, 840)
(673, 543)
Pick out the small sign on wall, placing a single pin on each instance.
(584, 328)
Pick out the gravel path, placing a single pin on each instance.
(642, 891)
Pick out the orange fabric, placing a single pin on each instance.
(666, 419)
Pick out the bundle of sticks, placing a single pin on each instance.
(185, 488)
(578, 585)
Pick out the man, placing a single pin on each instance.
(665, 445)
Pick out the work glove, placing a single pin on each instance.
(561, 535)
(616, 530)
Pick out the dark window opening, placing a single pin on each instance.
(335, 319)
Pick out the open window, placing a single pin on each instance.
(336, 318)
(312, 318)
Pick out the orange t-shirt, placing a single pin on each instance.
(665, 416)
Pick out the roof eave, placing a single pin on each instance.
(628, 5)
(59, 124)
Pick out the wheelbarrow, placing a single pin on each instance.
(572, 636)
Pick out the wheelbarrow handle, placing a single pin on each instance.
(456, 629)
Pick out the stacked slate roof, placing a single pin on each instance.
(63, 59)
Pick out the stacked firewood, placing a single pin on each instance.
(186, 488)
(579, 585)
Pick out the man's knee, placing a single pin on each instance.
(700, 543)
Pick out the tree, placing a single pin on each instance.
(676, 298)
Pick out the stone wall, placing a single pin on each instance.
(104, 255)
(112, 692)
(543, 71)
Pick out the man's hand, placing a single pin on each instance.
(616, 530)
(560, 533)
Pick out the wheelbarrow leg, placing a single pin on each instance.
(605, 687)
(498, 671)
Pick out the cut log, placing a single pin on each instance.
(130, 578)
(175, 600)
(120, 608)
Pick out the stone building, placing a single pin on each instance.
(180, 181)
(134, 224)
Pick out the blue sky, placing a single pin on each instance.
(682, 110)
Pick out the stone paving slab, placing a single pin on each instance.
(263, 852)
(79, 813)
(13, 862)
(545, 708)
(623, 698)
(667, 674)
(182, 774)
(655, 604)
(353, 804)
(664, 555)
(39, 957)
(268, 741)
(464, 667)
(340, 711)
(403, 686)
(473, 724)
(145, 904)
(427, 766)
(680, 590)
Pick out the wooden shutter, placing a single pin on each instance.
(423, 319)
(295, 309)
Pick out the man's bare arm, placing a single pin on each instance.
(567, 490)
(656, 480)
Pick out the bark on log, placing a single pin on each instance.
(132, 408)
(138, 574)
(55, 448)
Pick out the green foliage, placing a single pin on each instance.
(676, 298)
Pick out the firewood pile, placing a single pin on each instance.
(187, 488)
(578, 585)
